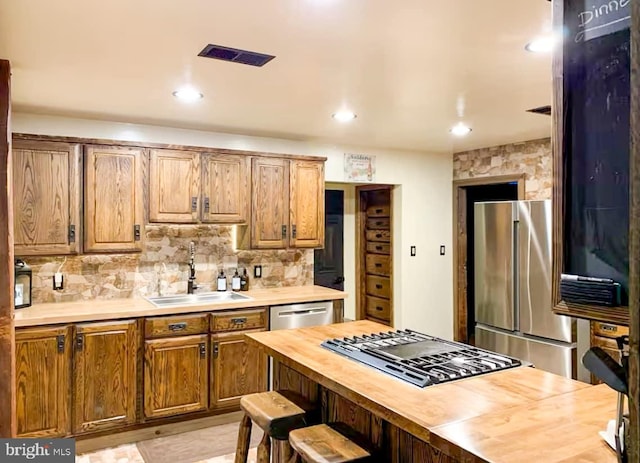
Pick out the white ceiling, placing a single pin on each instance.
(410, 69)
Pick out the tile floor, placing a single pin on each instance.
(129, 454)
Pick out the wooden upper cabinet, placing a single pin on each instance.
(174, 186)
(46, 197)
(306, 198)
(238, 368)
(105, 375)
(113, 207)
(176, 378)
(225, 188)
(43, 373)
(269, 203)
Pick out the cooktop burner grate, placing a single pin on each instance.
(418, 358)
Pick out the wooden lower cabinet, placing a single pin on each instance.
(43, 381)
(237, 369)
(105, 375)
(176, 375)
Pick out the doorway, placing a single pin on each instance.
(465, 194)
(328, 263)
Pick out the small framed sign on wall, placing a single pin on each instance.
(359, 167)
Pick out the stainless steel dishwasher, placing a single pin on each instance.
(284, 317)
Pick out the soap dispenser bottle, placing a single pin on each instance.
(222, 281)
(235, 282)
(244, 281)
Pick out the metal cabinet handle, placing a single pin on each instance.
(284, 232)
(378, 264)
(61, 343)
(136, 232)
(194, 203)
(215, 350)
(239, 321)
(178, 326)
(206, 205)
(379, 308)
(293, 232)
(378, 248)
(379, 211)
(79, 342)
(203, 350)
(378, 286)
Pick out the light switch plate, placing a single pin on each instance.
(413, 251)
(257, 271)
(58, 281)
(442, 250)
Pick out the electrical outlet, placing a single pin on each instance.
(58, 281)
(257, 271)
(413, 251)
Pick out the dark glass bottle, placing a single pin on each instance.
(244, 281)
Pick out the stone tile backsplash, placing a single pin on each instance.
(162, 266)
(533, 158)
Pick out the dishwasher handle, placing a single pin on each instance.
(289, 313)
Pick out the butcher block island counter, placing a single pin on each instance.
(520, 414)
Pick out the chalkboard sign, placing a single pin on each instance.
(596, 18)
(596, 141)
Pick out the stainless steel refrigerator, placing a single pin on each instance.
(512, 284)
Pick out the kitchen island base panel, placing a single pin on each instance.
(396, 445)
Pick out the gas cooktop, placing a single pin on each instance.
(418, 358)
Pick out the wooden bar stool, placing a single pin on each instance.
(276, 415)
(323, 444)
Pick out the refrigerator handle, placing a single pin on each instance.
(516, 271)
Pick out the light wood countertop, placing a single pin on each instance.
(112, 309)
(423, 411)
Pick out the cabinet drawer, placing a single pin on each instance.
(239, 320)
(378, 247)
(378, 264)
(379, 211)
(608, 330)
(175, 325)
(378, 235)
(380, 223)
(379, 286)
(378, 307)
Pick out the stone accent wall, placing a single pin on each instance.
(162, 267)
(532, 158)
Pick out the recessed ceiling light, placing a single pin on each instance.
(460, 129)
(188, 94)
(344, 116)
(541, 44)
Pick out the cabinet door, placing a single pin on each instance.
(113, 212)
(176, 375)
(105, 375)
(174, 186)
(269, 203)
(306, 197)
(237, 369)
(225, 188)
(43, 373)
(46, 197)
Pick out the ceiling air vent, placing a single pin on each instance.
(235, 55)
(546, 110)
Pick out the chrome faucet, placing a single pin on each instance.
(191, 284)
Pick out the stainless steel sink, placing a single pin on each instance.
(196, 299)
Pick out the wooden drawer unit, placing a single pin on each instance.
(379, 211)
(237, 320)
(378, 235)
(378, 248)
(378, 286)
(176, 325)
(378, 264)
(608, 330)
(380, 223)
(378, 308)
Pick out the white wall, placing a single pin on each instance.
(423, 294)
